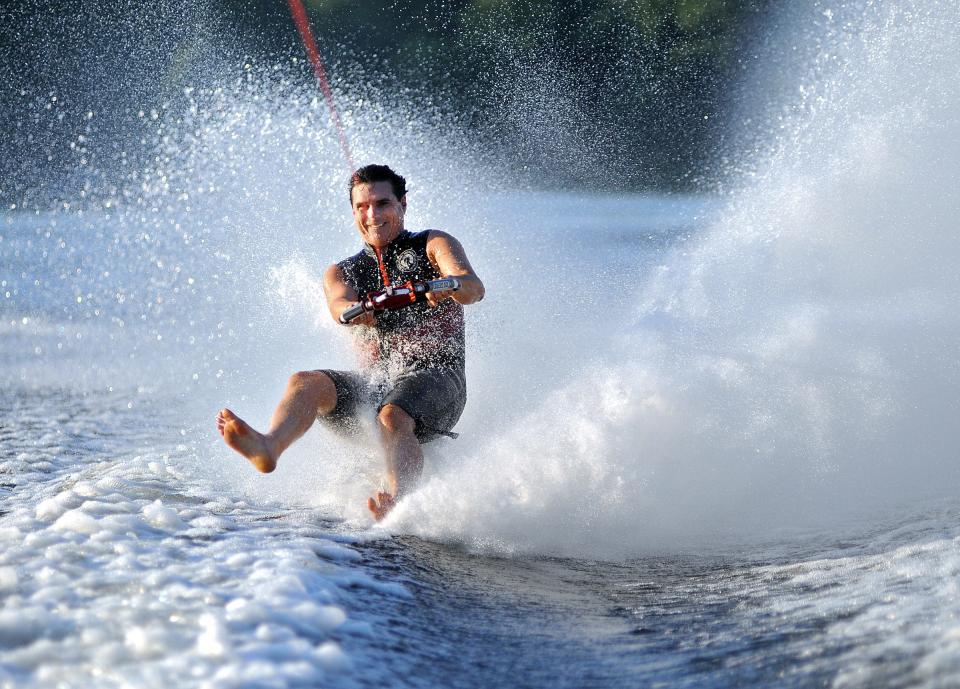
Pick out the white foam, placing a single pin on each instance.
(214, 639)
(9, 535)
(54, 507)
(77, 520)
(337, 553)
(23, 626)
(8, 579)
(103, 579)
(162, 517)
(332, 656)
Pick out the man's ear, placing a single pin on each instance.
(403, 202)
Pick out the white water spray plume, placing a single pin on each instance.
(797, 367)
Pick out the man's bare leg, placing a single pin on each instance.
(403, 456)
(308, 394)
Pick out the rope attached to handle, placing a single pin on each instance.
(303, 26)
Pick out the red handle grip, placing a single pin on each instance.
(398, 296)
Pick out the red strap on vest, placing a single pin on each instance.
(383, 269)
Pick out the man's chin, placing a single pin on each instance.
(381, 239)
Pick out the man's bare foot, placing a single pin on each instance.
(382, 505)
(241, 437)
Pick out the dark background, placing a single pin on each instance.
(647, 87)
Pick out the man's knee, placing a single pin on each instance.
(394, 419)
(318, 384)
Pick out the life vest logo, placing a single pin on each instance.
(407, 261)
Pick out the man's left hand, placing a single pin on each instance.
(434, 298)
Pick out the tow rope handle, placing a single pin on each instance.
(398, 296)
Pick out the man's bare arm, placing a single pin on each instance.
(449, 258)
(340, 296)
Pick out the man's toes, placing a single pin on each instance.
(381, 506)
(376, 509)
(234, 425)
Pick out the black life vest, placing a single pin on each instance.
(417, 336)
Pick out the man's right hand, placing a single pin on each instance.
(340, 297)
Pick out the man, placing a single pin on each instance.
(412, 364)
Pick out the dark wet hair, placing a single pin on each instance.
(369, 174)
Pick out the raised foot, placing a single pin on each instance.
(381, 505)
(240, 436)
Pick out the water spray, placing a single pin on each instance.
(303, 26)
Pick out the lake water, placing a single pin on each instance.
(709, 441)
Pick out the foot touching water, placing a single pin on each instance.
(381, 505)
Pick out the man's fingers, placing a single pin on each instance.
(434, 298)
(366, 319)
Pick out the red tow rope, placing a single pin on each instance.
(303, 26)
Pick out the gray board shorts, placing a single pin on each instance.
(433, 397)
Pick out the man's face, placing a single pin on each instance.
(378, 213)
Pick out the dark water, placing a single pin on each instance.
(760, 618)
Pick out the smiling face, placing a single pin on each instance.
(377, 212)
